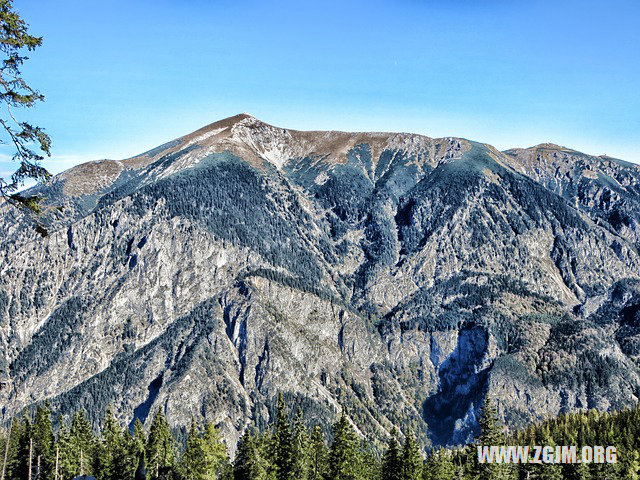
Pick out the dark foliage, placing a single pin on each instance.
(53, 339)
(234, 202)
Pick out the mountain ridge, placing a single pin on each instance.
(116, 166)
(398, 276)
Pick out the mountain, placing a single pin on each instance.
(398, 276)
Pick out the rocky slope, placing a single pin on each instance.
(398, 276)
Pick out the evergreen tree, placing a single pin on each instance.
(19, 465)
(439, 466)
(283, 443)
(343, 457)
(242, 465)
(368, 466)
(13, 463)
(3, 443)
(83, 445)
(117, 452)
(139, 438)
(411, 458)
(192, 463)
(160, 445)
(491, 434)
(490, 427)
(16, 93)
(135, 445)
(251, 462)
(392, 459)
(205, 456)
(112, 449)
(67, 466)
(630, 465)
(214, 451)
(580, 472)
(550, 471)
(301, 450)
(319, 453)
(126, 458)
(43, 442)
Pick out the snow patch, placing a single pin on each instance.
(267, 142)
(322, 178)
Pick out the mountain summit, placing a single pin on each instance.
(397, 276)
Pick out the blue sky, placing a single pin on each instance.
(121, 77)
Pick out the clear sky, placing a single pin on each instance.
(121, 77)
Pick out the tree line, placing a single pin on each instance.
(289, 449)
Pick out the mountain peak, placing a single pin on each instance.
(548, 146)
(538, 147)
(229, 122)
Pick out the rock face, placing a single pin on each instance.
(398, 276)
